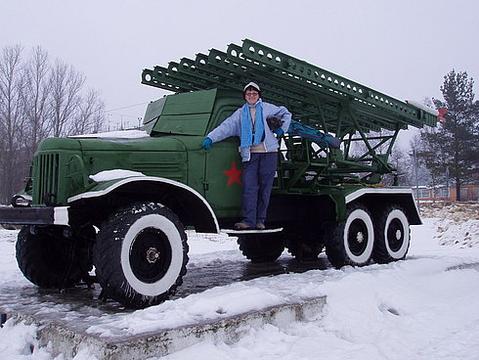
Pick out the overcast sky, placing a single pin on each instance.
(402, 48)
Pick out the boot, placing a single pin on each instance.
(260, 226)
(242, 226)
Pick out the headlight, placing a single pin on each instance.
(21, 201)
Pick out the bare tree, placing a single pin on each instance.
(66, 84)
(35, 99)
(419, 173)
(11, 120)
(400, 160)
(99, 117)
(90, 115)
(38, 100)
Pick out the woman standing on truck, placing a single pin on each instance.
(258, 149)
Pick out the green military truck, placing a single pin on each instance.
(132, 229)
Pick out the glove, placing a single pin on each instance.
(279, 132)
(274, 123)
(207, 143)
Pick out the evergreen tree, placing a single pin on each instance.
(451, 150)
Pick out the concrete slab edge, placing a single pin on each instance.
(61, 340)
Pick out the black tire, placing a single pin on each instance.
(261, 248)
(303, 250)
(10, 226)
(352, 240)
(392, 235)
(47, 258)
(85, 238)
(141, 254)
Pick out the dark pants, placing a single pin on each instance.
(257, 179)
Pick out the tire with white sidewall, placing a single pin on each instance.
(162, 223)
(362, 255)
(141, 254)
(392, 235)
(352, 241)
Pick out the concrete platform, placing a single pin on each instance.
(65, 319)
(68, 336)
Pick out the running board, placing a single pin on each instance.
(251, 231)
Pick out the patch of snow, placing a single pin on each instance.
(210, 243)
(457, 223)
(408, 312)
(452, 233)
(211, 304)
(18, 341)
(114, 174)
(123, 134)
(9, 272)
(423, 107)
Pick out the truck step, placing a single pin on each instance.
(251, 231)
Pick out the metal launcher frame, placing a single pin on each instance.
(316, 97)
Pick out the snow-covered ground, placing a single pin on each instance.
(458, 223)
(423, 308)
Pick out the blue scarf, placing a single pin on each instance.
(247, 138)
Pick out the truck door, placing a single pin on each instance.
(222, 181)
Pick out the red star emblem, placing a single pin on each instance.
(233, 174)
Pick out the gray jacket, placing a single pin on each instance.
(231, 126)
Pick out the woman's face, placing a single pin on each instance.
(251, 96)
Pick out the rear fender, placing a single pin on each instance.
(376, 199)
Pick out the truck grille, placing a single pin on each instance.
(47, 176)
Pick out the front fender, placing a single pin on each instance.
(190, 206)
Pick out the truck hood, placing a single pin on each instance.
(164, 143)
(67, 164)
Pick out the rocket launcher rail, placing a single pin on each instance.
(316, 96)
(321, 100)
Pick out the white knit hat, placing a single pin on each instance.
(253, 85)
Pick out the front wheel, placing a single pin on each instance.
(47, 258)
(141, 255)
(392, 236)
(352, 240)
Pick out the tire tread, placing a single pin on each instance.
(107, 255)
(380, 252)
(335, 249)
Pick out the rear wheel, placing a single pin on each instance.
(48, 258)
(141, 255)
(304, 246)
(261, 248)
(352, 240)
(392, 237)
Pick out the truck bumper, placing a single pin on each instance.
(34, 215)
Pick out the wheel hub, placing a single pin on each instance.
(359, 237)
(152, 255)
(395, 234)
(398, 235)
